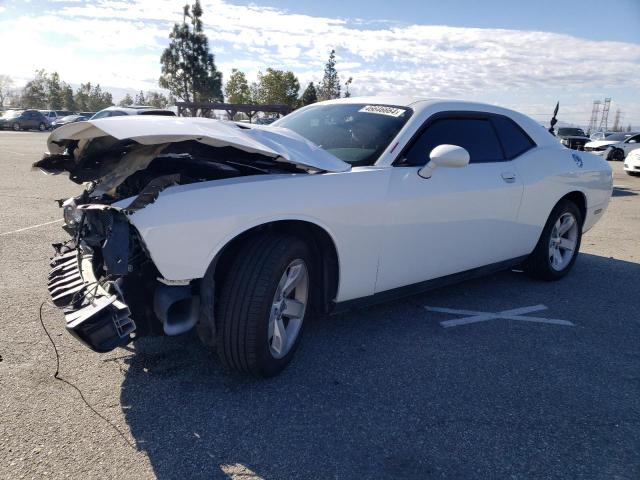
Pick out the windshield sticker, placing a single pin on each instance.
(383, 110)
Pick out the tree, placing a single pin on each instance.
(347, 84)
(82, 97)
(158, 100)
(127, 101)
(140, 100)
(277, 86)
(68, 102)
(188, 69)
(92, 99)
(237, 89)
(34, 93)
(329, 88)
(54, 92)
(309, 96)
(6, 82)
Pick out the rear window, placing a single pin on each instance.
(514, 140)
(164, 113)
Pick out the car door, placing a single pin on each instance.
(631, 144)
(460, 218)
(29, 121)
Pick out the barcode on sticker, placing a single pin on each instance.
(383, 110)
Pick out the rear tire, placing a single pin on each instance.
(42, 127)
(255, 334)
(616, 155)
(557, 249)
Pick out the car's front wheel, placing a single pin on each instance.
(559, 243)
(262, 305)
(15, 126)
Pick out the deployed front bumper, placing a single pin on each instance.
(94, 309)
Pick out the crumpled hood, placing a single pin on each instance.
(280, 143)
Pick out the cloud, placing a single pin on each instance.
(119, 43)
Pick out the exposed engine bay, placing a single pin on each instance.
(102, 277)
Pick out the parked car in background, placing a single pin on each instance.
(632, 162)
(240, 231)
(616, 146)
(24, 120)
(265, 120)
(573, 138)
(55, 114)
(600, 135)
(68, 119)
(132, 110)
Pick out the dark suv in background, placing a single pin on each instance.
(24, 120)
(573, 138)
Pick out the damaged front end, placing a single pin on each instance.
(104, 278)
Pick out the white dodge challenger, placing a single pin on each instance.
(242, 230)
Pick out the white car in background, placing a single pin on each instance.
(632, 163)
(241, 230)
(131, 110)
(616, 146)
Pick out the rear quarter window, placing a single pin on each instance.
(514, 140)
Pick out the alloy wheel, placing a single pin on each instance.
(563, 241)
(288, 308)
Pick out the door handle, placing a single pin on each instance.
(509, 177)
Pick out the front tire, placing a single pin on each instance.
(559, 243)
(16, 127)
(262, 305)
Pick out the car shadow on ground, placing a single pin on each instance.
(386, 392)
(623, 192)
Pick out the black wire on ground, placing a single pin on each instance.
(57, 376)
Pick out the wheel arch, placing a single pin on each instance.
(321, 242)
(580, 200)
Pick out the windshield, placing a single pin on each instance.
(11, 114)
(571, 132)
(619, 136)
(355, 133)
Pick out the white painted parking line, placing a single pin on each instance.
(29, 228)
(513, 314)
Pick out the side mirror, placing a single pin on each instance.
(633, 141)
(450, 156)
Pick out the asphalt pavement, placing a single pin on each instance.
(388, 392)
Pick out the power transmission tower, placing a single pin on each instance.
(616, 122)
(605, 115)
(594, 117)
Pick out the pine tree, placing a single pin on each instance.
(309, 96)
(127, 101)
(330, 86)
(188, 69)
(140, 100)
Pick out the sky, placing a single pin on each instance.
(524, 55)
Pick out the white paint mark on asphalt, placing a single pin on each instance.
(471, 316)
(29, 228)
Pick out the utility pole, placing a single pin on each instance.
(593, 121)
(616, 122)
(605, 115)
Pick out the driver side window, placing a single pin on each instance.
(476, 135)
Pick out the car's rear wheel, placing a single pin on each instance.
(616, 155)
(42, 127)
(262, 305)
(559, 243)
(16, 127)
